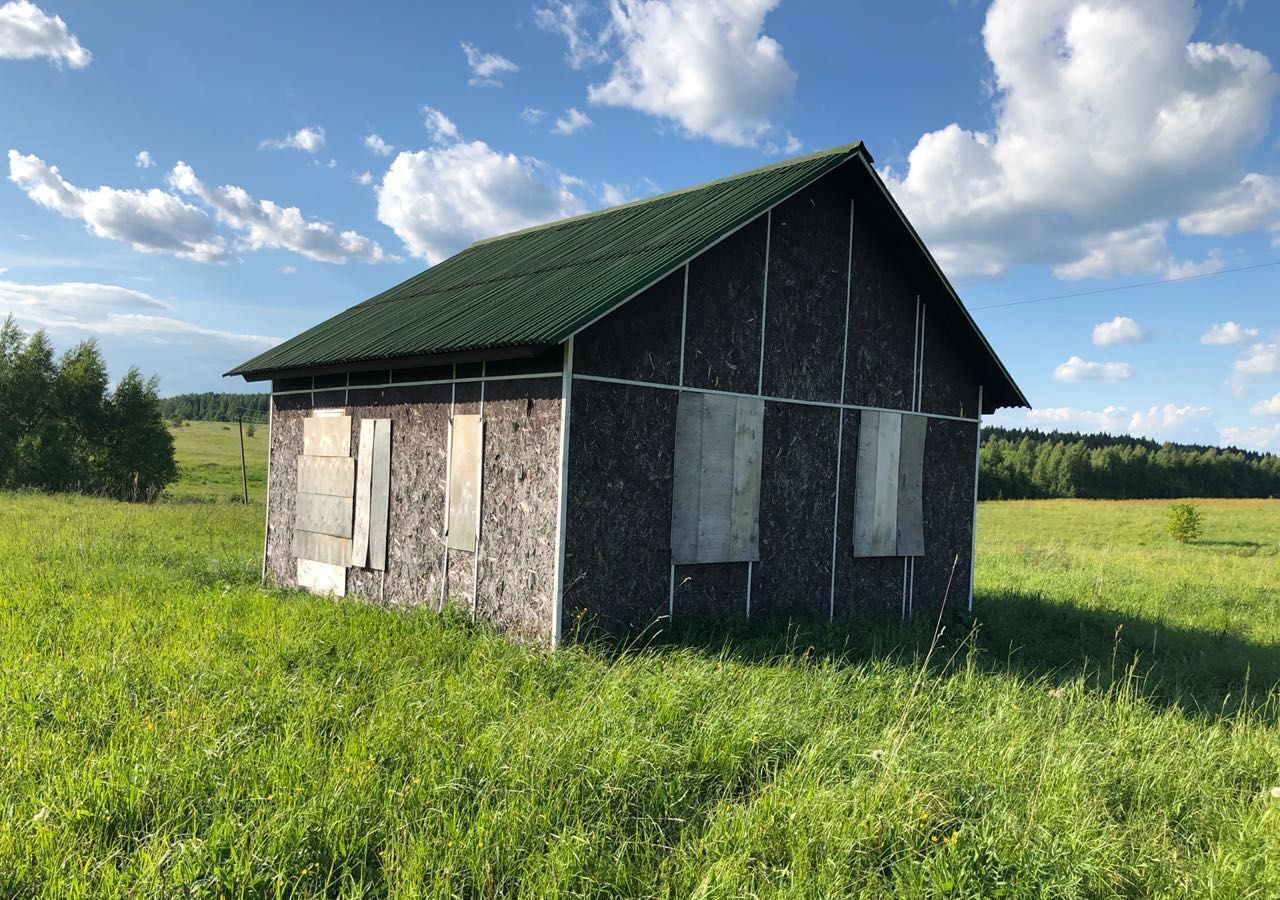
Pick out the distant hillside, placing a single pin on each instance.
(212, 407)
(1017, 464)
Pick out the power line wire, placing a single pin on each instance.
(1123, 287)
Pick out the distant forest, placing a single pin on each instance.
(211, 407)
(1015, 464)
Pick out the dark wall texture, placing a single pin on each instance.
(618, 541)
(618, 563)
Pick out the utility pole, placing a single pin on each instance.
(244, 475)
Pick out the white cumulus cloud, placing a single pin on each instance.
(378, 145)
(565, 18)
(79, 308)
(573, 120)
(1227, 333)
(1167, 422)
(1262, 438)
(1076, 369)
(1260, 359)
(486, 67)
(153, 221)
(362, 178)
(28, 32)
(1267, 407)
(704, 65)
(143, 160)
(264, 223)
(443, 198)
(1120, 330)
(1110, 124)
(309, 140)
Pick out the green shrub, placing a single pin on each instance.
(1183, 522)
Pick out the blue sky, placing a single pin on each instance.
(188, 182)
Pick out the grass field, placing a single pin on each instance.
(1108, 726)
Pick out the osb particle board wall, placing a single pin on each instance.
(521, 478)
(620, 464)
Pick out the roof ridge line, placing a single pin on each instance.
(841, 149)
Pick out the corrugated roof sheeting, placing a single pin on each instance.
(540, 285)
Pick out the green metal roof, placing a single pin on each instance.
(541, 285)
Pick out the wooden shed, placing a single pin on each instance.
(758, 395)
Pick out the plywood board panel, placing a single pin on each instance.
(884, 527)
(324, 514)
(380, 494)
(322, 578)
(323, 548)
(864, 497)
(326, 436)
(715, 501)
(465, 458)
(686, 486)
(332, 475)
(911, 487)
(360, 539)
(744, 520)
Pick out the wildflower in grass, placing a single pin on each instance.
(1057, 693)
(877, 755)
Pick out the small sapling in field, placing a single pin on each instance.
(1183, 522)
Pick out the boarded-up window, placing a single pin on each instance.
(888, 517)
(373, 492)
(466, 443)
(322, 524)
(715, 510)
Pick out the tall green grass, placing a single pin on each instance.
(169, 729)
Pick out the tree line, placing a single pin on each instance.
(215, 407)
(63, 427)
(1015, 464)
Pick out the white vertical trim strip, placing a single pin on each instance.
(444, 569)
(475, 563)
(911, 589)
(915, 356)
(684, 322)
(266, 524)
(924, 317)
(764, 301)
(562, 521)
(844, 368)
(973, 535)
(764, 325)
(903, 615)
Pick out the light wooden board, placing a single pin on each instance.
(323, 548)
(333, 475)
(884, 528)
(715, 502)
(322, 578)
(324, 514)
(864, 491)
(687, 479)
(465, 459)
(911, 486)
(364, 480)
(380, 494)
(715, 509)
(326, 436)
(744, 522)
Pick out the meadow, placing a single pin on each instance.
(1107, 725)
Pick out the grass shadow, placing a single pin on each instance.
(1203, 673)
